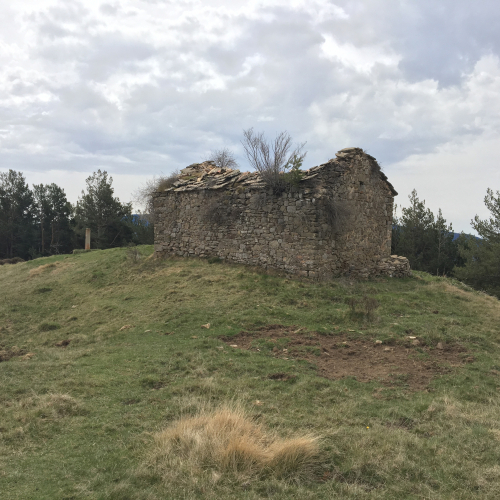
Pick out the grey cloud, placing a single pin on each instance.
(119, 52)
(53, 30)
(438, 40)
(154, 104)
(101, 54)
(448, 39)
(73, 11)
(109, 9)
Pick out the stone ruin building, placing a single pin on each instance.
(336, 220)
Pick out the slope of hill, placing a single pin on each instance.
(400, 379)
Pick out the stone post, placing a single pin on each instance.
(87, 239)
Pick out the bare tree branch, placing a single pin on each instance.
(223, 158)
(272, 160)
(143, 196)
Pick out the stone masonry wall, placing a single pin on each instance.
(337, 221)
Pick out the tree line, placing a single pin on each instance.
(431, 245)
(41, 221)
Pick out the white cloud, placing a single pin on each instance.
(73, 183)
(362, 59)
(142, 87)
(454, 178)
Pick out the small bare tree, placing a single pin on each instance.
(223, 158)
(144, 194)
(272, 160)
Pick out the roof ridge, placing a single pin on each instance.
(207, 175)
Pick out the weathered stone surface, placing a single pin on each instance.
(351, 150)
(337, 221)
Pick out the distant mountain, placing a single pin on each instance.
(139, 219)
(456, 235)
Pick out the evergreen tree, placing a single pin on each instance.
(16, 215)
(413, 239)
(61, 230)
(142, 229)
(100, 211)
(40, 215)
(482, 256)
(425, 240)
(52, 218)
(445, 250)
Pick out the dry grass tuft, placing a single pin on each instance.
(226, 441)
(49, 406)
(164, 183)
(40, 269)
(14, 260)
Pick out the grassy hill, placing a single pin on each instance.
(399, 379)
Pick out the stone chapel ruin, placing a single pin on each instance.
(336, 220)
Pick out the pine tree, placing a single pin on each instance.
(482, 256)
(52, 213)
(16, 215)
(414, 240)
(40, 215)
(445, 250)
(100, 211)
(61, 231)
(426, 240)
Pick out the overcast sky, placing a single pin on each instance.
(143, 87)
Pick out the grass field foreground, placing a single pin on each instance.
(103, 351)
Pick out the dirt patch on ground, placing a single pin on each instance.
(407, 363)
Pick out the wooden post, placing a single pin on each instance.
(87, 239)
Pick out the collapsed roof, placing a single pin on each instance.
(207, 175)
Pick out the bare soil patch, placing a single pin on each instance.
(398, 363)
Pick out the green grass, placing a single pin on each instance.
(77, 422)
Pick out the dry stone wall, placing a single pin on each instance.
(336, 221)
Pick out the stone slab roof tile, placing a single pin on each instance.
(207, 175)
